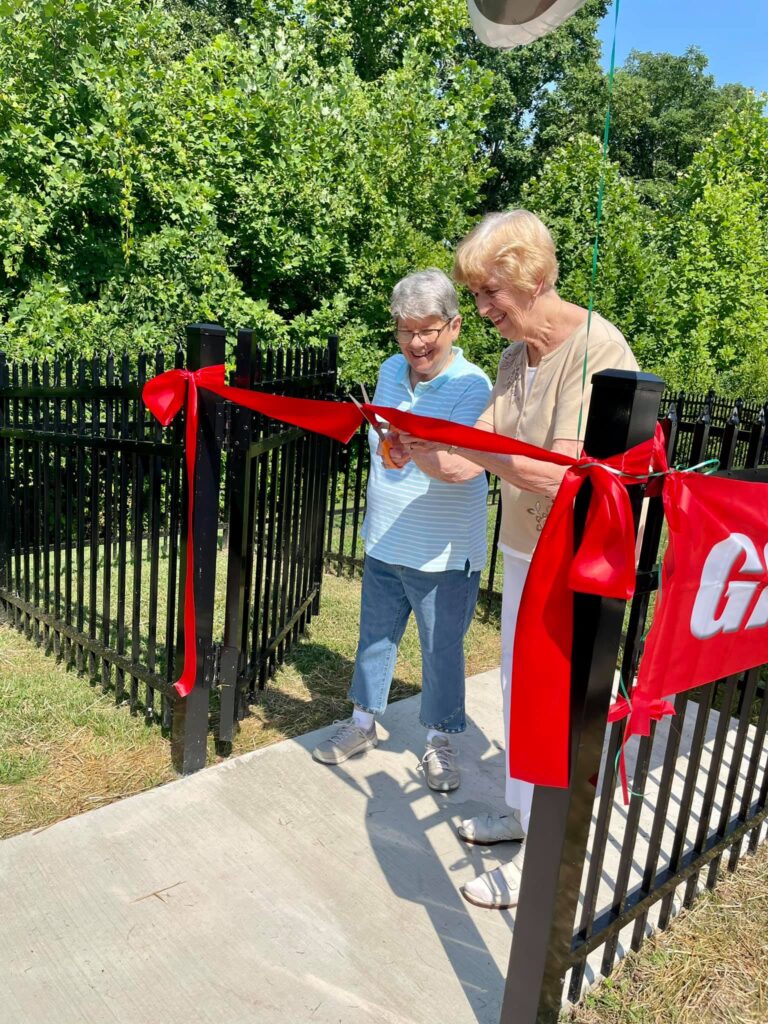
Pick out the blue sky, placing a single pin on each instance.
(732, 33)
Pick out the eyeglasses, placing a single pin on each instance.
(429, 335)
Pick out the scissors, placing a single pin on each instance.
(385, 441)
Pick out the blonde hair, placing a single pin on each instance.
(515, 246)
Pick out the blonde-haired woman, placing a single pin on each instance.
(541, 396)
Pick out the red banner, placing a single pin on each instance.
(712, 617)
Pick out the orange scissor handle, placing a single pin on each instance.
(385, 456)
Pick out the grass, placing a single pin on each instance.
(65, 748)
(309, 690)
(711, 967)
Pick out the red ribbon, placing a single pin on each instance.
(604, 563)
(166, 394)
(639, 714)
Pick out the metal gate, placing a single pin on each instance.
(276, 506)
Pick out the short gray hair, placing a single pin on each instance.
(424, 294)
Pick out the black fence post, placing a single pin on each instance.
(6, 522)
(622, 413)
(325, 453)
(205, 347)
(241, 475)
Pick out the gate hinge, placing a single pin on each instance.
(212, 668)
(226, 442)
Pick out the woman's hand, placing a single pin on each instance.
(392, 452)
(416, 444)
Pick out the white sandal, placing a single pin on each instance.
(488, 829)
(498, 889)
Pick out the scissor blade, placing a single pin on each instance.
(370, 419)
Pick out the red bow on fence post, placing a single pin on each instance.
(165, 396)
(604, 564)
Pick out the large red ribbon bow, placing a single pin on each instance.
(604, 564)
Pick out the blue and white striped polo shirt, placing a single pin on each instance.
(412, 519)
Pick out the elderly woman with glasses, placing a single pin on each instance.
(541, 396)
(424, 533)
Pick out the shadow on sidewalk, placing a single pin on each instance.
(412, 834)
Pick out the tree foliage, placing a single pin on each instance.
(663, 107)
(544, 93)
(628, 281)
(151, 178)
(713, 239)
(281, 163)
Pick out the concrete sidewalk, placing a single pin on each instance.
(273, 890)
(265, 889)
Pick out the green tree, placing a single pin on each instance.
(713, 236)
(663, 107)
(153, 175)
(544, 93)
(629, 279)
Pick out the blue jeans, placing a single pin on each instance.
(443, 603)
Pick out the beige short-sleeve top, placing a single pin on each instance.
(547, 411)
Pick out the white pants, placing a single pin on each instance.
(518, 794)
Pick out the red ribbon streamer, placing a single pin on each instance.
(604, 563)
(639, 715)
(166, 394)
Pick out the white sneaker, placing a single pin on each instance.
(496, 890)
(348, 740)
(487, 829)
(439, 765)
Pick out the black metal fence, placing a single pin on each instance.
(92, 527)
(92, 533)
(90, 494)
(276, 498)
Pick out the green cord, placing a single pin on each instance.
(600, 192)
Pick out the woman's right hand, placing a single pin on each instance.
(392, 453)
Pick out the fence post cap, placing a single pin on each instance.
(205, 329)
(629, 380)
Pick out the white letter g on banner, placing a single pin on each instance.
(717, 568)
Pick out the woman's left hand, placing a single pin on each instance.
(416, 445)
